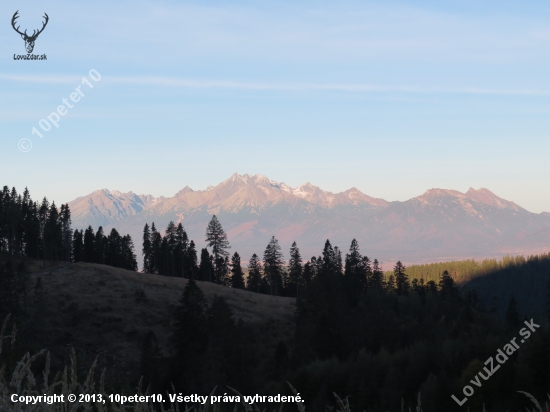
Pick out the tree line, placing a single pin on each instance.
(40, 230)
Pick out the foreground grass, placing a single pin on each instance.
(24, 383)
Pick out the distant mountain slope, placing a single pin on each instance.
(104, 206)
(439, 224)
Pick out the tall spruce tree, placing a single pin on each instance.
(389, 284)
(66, 232)
(273, 265)
(354, 273)
(309, 273)
(295, 270)
(338, 257)
(377, 279)
(206, 267)
(89, 245)
(217, 240)
(180, 251)
(254, 280)
(447, 286)
(237, 275)
(147, 249)
(191, 263)
(100, 244)
(402, 284)
(128, 255)
(78, 246)
(329, 264)
(53, 234)
(156, 243)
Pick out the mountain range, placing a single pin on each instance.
(438, 225)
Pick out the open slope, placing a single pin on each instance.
(97, 310)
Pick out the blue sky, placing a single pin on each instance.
(393, 98)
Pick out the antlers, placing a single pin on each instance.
(34, 34)
(43, 25)
(15, 17)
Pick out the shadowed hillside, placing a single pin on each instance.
(106, 311)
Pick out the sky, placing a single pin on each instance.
(393, 98)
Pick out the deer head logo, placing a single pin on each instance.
(29, 40)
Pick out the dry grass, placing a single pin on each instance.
(24, 383)
(106, 311)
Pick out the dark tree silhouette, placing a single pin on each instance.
(237, 275)
(295, 270)
(402, 284)
(206, 268)
(273, 266)
(217, 240)
(254, 274)
(147, 250)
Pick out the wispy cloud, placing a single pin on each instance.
(273, 86)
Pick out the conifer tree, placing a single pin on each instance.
(147, 249)
(89, 245)
(206, 267)
(273, 265)
(170, 235)
(377, 279)
(389, 286)
(402, 284)
(338, 259)
(128, 255)
(329, 263)
(66, 232)
(431, 287)
(447, 286)
(113, 250)
(309, 273)
(237, 275)
(221, 271)
(355, 274)
(180, 251)
(100, 244)
(295, 270)
(156, 243)
(254, 274)
(43, 218)
(53, 234)
(78, 246)
(353, 260)
(191, 262)
(217, 240)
